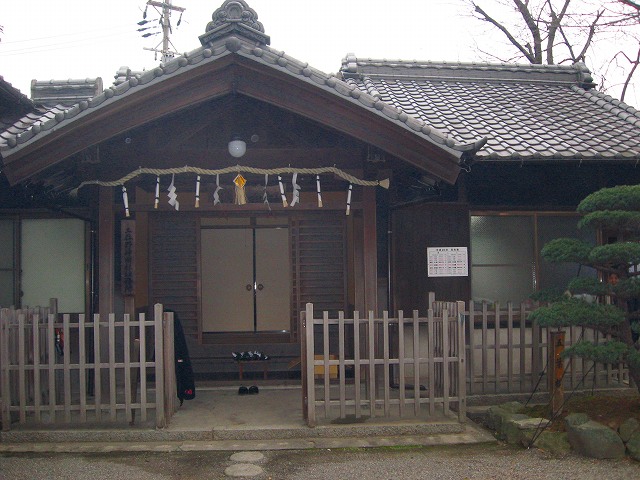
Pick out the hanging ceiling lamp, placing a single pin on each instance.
(237, 147)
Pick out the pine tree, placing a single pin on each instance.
(616, 211)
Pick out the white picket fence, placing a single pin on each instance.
(67, 369)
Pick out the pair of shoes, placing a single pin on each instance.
(249, 356)
(252, 390)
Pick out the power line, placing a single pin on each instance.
(122, 28)
(164, 9)
(26, 50)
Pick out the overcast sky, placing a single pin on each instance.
(60, 39)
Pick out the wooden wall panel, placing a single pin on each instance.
(174, 267)
(318, 264)
(414, 228)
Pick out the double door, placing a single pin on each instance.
(245, 284)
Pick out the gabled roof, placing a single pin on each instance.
(233, 38)
(13, 105)
(64, 92)
(526, 112)
(10, 96)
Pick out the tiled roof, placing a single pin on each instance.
(10, 96)
(64, 92)
(33, 127)
(526, 112)
(13, 105)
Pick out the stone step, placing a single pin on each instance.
(469, 436)
(228, 433)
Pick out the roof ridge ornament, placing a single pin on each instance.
(234, 17)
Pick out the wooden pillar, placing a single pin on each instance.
(370, 250)
(556, 370)
(106, 254)
(370, 280)
(128, 265)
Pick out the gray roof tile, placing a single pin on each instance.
(525, 111)
(126, 81)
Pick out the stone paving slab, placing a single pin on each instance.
(471, 434)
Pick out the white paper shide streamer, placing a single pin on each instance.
(216, 193)
(319, 191)
(296, 190)
(265, 196)
(198, 192)
(125, 199)
(284, 199)
(173, 196)
(157, 201)
(349, 199)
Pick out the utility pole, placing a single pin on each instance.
(165, 20)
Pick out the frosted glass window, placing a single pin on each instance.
(53, 263)
(502, 256)
(558, 275)
(6, 263)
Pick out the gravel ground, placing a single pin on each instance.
(458, 462)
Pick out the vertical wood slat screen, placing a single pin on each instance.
(174, 267)
(45, 371)
(318, 263)
(437, 347)
(506, 352)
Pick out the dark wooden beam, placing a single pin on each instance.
(370, 250)
(231, 74)
(142, 106)
(117, 166)
(343, 115)
(106, 254)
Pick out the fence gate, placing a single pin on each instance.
(58, 369)
(384, 367)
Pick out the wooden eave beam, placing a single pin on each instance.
(337, 113)
(139, 108)
(231, 74)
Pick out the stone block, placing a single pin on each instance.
(512, 407)
(555, 443)
(633, 446)
(575, 419)
(510, 430)
(592, 439)
(495, 414)
(529, 428)
(628, 428)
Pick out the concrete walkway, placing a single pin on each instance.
(220, 419)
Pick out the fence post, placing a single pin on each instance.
(462, 367)
(170, 389)
(472, 346)
(303, 363)
(161, 421)
(372, 366)
(444, 351)
(5, 393)
(311, 393)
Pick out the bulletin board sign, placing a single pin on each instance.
(447, 262)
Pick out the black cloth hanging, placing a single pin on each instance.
(184, 372)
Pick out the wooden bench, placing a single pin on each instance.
(265, 366)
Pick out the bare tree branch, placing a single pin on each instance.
(530, 56)
(627, 81)
(556, 22)
(562, 31)
(631, 3)
(523, 8)
(592, 32)
(587, 43)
